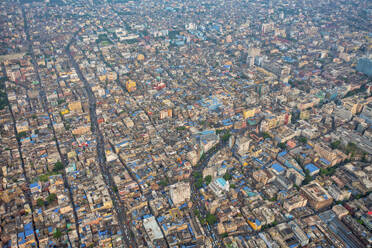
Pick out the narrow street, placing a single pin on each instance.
(122, 218)
(44, 102)
(27, 192)
(196, 198)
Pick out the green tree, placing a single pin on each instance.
(199, 183)
(265, 135)
(226, 136)
(40, 202)
(232, 186)
(282, 146)
(197, 174)
(67, 126)
(308, 178)
(180, 128)
(273, 199)
(227, 176)
(51, 198)
(58, 166)
(358, 196)
(364, 157)
(196, 212)
(57, 234)
(224, 235)
(163, 182)
(208, 179)
(360, 221)
(351, 148)
(298, 159)
(302, 139)
(3, 98)
(60, 101)
(211, 219)
(336, 144)
(44, 178)
(327, 171)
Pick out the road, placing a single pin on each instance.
(44, 102)
(101, 157)
(27, 192)
(196, 198)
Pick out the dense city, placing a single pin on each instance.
(155, 123)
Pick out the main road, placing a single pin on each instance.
(196, 196)
(101, 157)
(45, 106)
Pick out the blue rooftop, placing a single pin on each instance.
(221, 181)
(34, 185)
(283, 153)
(277, 167)
(325, 161)
(312, 168)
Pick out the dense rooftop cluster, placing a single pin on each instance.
(185, 123)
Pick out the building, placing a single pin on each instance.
(313, 170)
(353, 104)
(367, 113)
(210, 171)
(338, 194)
(340, 211)
(22, 126)
(316, 195)
(219, 186)
(333, 156)
(242, 145)
(254, 223)
(165, 113)
(339, 229)
(248, 113)
(180, 192)
(75, 107)
(297, 201)
(152, 228)
(300, 234)
(131, 86)
(263, 176)
(364, 65)
(277, 169)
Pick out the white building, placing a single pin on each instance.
(180, 192)
(152, 228)
(219, 186)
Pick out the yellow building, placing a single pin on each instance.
(65, 111)
(131, 86)
(255, 224)
(140, 57)
(75, 107)
(102, 78)
(22, 127)
(81, 130)
(305, 115)
(249, 113)
(353, 104)
(71, 154)
(112, 76)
